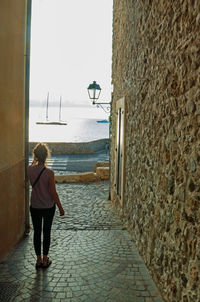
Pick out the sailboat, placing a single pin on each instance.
(47, 122)
(60, 121)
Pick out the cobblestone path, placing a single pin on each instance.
(94, 259)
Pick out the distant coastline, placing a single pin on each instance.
(53, 103)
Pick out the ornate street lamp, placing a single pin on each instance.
(94, 91)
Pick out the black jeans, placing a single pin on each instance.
(39, 215)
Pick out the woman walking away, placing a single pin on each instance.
(43, 200)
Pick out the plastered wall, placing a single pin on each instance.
(12, 122)
(156, 68)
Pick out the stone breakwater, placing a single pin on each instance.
(101, 168)
(101, 173)
(156, 66)
(74, 148)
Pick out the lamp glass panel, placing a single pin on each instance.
(91, 93)
(98, 93)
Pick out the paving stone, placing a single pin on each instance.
(94, 258)
(140, 299)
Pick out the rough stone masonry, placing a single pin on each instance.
(156, 67)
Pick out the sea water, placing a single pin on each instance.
(82, 124)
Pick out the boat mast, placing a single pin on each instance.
(60, 108)
(47, 106)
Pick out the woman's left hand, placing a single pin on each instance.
(62, 212)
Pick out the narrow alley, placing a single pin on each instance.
(93, 257)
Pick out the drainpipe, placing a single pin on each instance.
(27, 78)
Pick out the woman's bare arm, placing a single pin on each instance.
(54, 193)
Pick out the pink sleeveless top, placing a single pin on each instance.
(40, 195)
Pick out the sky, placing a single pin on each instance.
(71, 46)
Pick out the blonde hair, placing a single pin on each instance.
(41, 152)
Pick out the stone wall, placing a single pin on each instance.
(75, 148)
(156, 57)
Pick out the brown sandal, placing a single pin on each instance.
(38, 265)
(46, 263)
